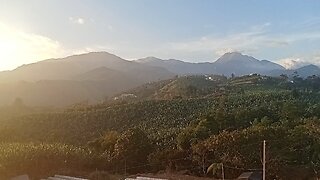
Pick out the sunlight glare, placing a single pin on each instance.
(18, 47)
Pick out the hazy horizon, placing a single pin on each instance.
(285, 32)
(168, 59)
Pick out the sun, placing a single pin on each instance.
(9, 53)
(18, 47)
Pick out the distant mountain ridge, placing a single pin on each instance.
(229, 63)
(305, 71)
(178, 66)
(94, 76)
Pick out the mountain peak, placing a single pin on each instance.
(239, 64)
(235, 56)
(149, 59)
(98, 54)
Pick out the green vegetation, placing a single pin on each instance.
(43, 159)
(184, 124)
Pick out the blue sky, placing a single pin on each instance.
(286, 31)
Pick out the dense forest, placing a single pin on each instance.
(185, 125)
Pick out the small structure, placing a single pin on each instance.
(125, 97)
(255, 175)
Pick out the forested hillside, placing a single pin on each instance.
(183, 124)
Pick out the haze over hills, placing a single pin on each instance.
(94, 76)
(70, 67)
(88, 77)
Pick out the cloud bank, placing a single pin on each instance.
(79, 20)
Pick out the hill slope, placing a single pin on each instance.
(228, 126)
(157, 111)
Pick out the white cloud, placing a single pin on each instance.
(222, 51)
(293, 63)
(247, 42)
(78, 20)
(18, 47)
(273, 42)
(255, 40)
(95, 48)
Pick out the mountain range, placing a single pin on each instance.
(230, 63)
(95, 76)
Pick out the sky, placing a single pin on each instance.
(286, 31)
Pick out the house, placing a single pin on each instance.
(125, 97)
(255, 175)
